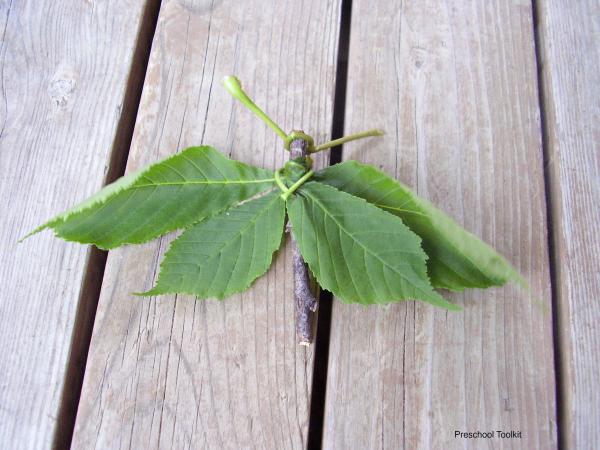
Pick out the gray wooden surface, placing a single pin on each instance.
(464, 132)
(570, 60)
(64, 73)
(171, 372)
(455, 86)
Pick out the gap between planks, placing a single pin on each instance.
(568, 75)
(319, 385)
(96, 259)
(552, 257)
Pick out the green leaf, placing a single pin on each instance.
(357, 251)
(163, 197)
(457, 258)
(225, 253)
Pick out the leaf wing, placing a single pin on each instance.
(225, 253)
(457, 258)
(357, 251)
(163, 197)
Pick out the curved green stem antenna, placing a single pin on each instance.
(234, 87)
(343, 140)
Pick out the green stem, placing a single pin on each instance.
(280, 184)
(286, 194)
(234, 87)
(345, 139)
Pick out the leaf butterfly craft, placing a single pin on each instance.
(365, 236)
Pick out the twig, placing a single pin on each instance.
(305, 300)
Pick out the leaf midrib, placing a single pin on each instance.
(393, 208)
(183, 183)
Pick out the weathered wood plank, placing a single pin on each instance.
(175, 372)
(67, 69)
(454, 85)
(569, 33)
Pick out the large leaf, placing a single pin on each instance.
(457, 258)
(163, 197)
(225, 253)
(357, 251)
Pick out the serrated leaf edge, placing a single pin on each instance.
(445, 304)
(514, 274)
(149, 292)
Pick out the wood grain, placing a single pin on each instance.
(172, 372)
(66, 71)
(570, 67)
(454, 85)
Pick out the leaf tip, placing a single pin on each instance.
(441, 302)
(454, 308)
(149, 293)
(521, 281)
(31, 233)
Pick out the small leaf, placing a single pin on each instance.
(225, 253)
(457, 258)
(163, 197)
(357, 251)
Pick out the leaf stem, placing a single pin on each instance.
(286, 194)
(234, 87)
(343, 140)
(280, 183)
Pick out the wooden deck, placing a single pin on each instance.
(492, 111)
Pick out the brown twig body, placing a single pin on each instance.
(304, 299)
